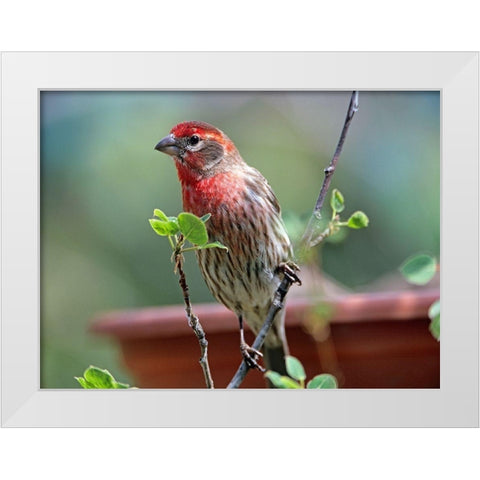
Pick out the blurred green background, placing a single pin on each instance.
(101, 180)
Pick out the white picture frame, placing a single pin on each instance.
(24, 404)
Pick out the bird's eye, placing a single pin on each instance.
(194, 139)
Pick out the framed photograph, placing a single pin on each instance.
(92, 143)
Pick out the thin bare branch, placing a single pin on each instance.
(193, 321)
(311, 236)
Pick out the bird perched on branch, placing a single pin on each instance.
(245, 218)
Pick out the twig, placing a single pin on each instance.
(193, 321)
(310, 238)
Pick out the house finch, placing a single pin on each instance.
(245, 217)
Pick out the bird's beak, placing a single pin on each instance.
(168, 145)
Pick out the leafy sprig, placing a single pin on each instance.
(95, 377)
(185, 227)
(297, 377)
(323, 228)
(356, 220)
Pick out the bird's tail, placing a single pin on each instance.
(276, 346)
(274, 358)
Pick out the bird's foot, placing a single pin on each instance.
(250, 356)
(289, 269)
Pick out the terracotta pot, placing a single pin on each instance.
(375, 340)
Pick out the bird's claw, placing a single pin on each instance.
(250, 356)
(289, 269)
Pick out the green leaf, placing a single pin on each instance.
(159, 227)
(193, 228)
(295, 368)
(435, 327)
(205, 217)
(357, 220)
(99, 377)
(279, 381)
(325, 380)
(434, 315)
(434, 309)
(172, 225)
(164, 228)
(213, 245)
(419, 269)
(121, 385)
(95, 377)
(158, 213)
(336, 201)
(83, 382)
